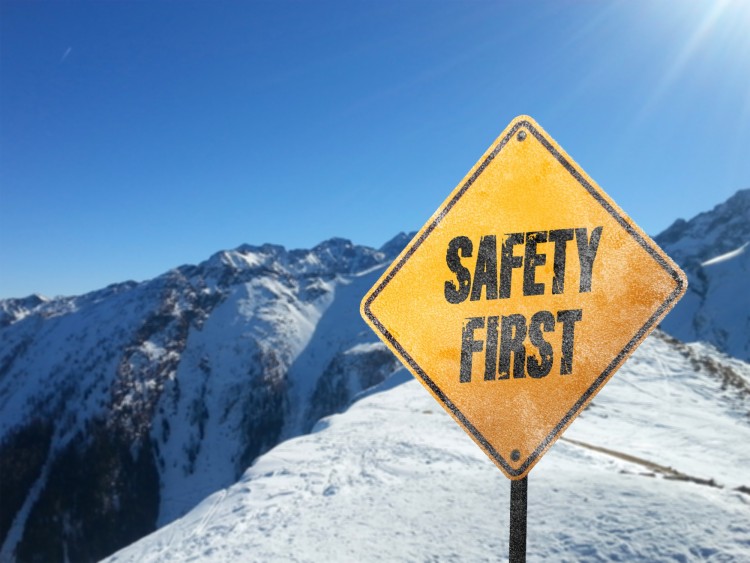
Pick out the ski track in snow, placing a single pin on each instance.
(395, 479)
(219, 497)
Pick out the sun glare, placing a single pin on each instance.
(709, 37)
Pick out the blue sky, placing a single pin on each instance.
(139, 136)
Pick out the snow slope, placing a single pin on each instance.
(654, 470)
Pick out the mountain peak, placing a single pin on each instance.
(331, 257)
(709, 234)
(12, 310)
(393, 247)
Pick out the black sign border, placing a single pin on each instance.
(647, 327)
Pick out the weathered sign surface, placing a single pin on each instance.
(521, 296)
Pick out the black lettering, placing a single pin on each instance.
(469, 346)
(568, 319)
(490, 359)
(560, 237)
(512, 335)
(458, 293)
(530, 262)
(541, 321)
(586, 254)
(508, 262)
(485, 272)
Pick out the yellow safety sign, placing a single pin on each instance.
(521, 296)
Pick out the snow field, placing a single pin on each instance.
(395, 479)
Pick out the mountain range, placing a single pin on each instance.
(122, 409)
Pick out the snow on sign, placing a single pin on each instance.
(521, 296)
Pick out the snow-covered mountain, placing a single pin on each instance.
(654, 470)
(712, 249)
(12, 310)
(123, 408)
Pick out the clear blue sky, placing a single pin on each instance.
(139, 136)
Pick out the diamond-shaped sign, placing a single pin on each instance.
(521, 296)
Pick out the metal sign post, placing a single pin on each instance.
(517, 537)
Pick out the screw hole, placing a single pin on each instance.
(521, 135)
(515, 455)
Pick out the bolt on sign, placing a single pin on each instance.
(521, 296)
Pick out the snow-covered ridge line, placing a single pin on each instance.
(333, 256)
(711, 233)
(724, 257)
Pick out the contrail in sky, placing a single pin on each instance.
(66, 53)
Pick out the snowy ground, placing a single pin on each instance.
(650, 472)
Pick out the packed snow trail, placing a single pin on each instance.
(653, 469)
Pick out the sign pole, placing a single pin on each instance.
(517, 543)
